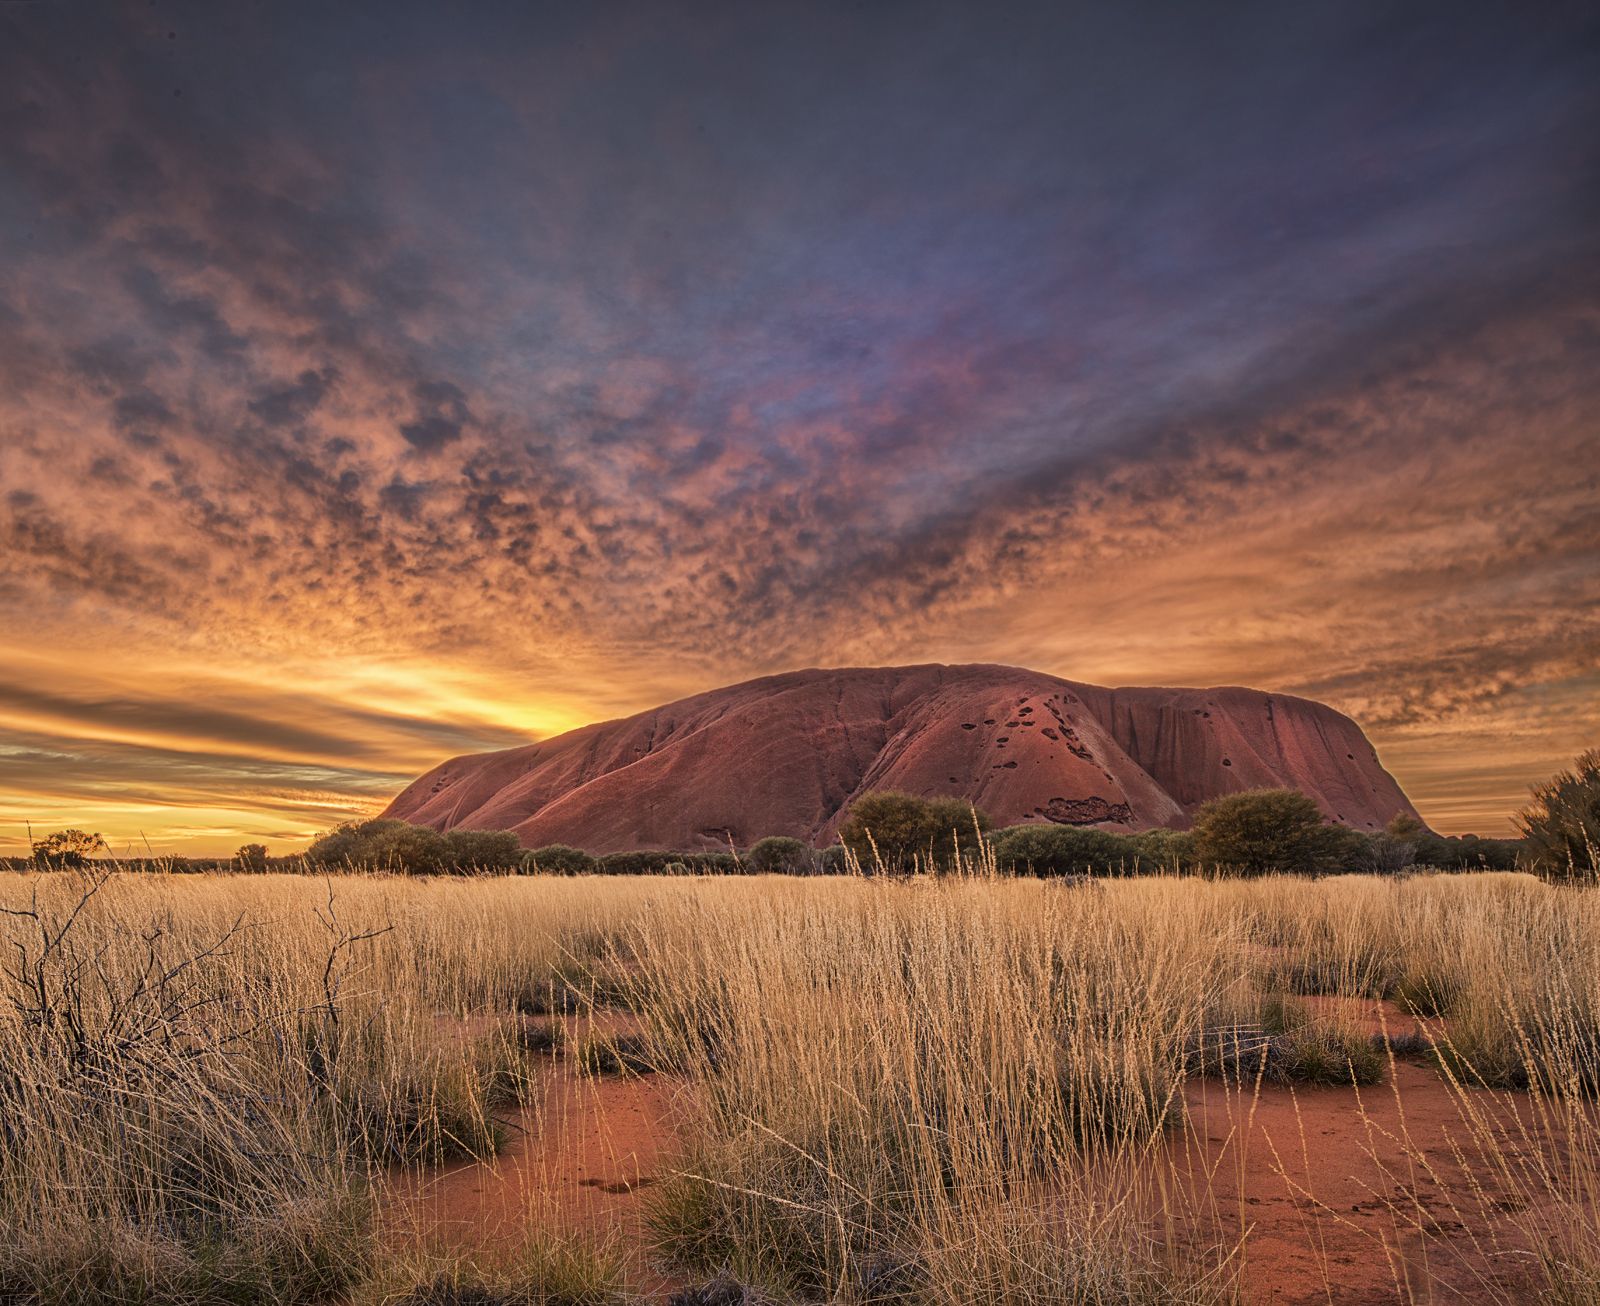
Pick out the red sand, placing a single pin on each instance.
(579, 1160)
(1347, 1196)
(1352, 1196)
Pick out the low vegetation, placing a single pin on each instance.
(393, 845)
(206, 1080)
(1562, 824)
(894, 833)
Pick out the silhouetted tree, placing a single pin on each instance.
(253, 858)
(1562, 824)
(67, 848)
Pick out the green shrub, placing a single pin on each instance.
(1263, 830)
(776, 855)
(1063, 850)
(635, 863)
(1163, 850)
(559, 859)
(659, 862)
(1562, 824)
(899, 830)
(832, 860)
(385, 844)
(483, 850)
(1469, 852)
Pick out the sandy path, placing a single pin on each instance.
(578, 1157)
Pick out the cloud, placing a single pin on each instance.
(594, 362)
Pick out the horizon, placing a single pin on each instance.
(382, 386)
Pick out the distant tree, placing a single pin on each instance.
(1263, 830)
(833, 860)
(1063, 850)
(900, 830)
(67, 848)
(661, 861)
(558, 859)
(1163, 850)
(1403, 825)
(482, 850)
(1382, 853)
(1561, 826)
(252, 858)
(384, 844)
(778, 855)
(1391, 849)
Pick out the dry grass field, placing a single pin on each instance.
(962, 1089)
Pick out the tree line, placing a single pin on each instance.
(892, 833)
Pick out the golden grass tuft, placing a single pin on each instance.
(931, 1090)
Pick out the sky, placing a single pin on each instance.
(383, 382)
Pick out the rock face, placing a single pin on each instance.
(786, 755)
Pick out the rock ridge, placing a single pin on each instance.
(786, 754)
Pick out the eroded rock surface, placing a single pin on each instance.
(786, 755)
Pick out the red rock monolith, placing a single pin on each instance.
(787, 754)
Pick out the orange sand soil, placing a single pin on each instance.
(1336, 1195)
(577, 1157)
(1363, 1195)
(1347, 1195)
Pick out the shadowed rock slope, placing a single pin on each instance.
(786, 754)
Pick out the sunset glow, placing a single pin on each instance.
(384, 384)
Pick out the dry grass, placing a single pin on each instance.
(931, 1091)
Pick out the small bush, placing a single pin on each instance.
(1063, 850)
(1419, 994)
(558, 996)
(898, 830)
(1469, 852)
(833, 861)
(1262, 830)
(776, 855)
(1411, 1043)
(1165, 850)
(383, 844)
(724, 1290)
(1306, 1053)
(387, 844)
(559, 859)
(1562, 824)
(482, 850)
(1383, 853)
(426, 1113)
(540, 1036)
(658, 862)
